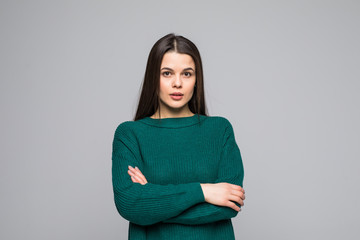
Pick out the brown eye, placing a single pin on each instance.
(166, 74)
(187, 74)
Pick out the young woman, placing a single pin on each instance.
(177, 173)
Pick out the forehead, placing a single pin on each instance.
(177, 60)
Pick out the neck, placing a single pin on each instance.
(156, 115)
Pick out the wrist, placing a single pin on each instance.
(204, 187)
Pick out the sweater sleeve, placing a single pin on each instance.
(150, 203)
(231, 171)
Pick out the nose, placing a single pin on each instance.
(177, 81)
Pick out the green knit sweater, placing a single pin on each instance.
(175, 155)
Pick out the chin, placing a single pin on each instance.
(176, 106)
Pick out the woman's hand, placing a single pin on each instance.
(224, 194)
(137, 176)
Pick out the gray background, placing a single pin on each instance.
(285, 73)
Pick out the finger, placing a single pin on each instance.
(236, 187)
(139, 174)
(134, 180)
(233, 206)
(139, 180)
(236, 199)
(136, 170)
(238, 193)
(132, 169)
(241, 188)
(130, 173)
(241, 195)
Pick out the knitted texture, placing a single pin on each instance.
(175, 155)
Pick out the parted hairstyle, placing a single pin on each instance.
(149, 97)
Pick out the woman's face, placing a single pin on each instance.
(177, 80)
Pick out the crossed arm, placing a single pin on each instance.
(190, 203)
(220, 194)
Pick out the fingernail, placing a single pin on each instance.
(136, 168)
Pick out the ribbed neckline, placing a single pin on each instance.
(175, 122)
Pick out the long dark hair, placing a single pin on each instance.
(149, 98)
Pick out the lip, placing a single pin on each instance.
(177, 93)
(176, 97)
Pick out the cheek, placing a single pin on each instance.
(163, 88)
(191, 87)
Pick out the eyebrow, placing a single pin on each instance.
(186, 69)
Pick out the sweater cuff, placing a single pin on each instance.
(197, 192)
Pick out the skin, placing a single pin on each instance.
(177, 74)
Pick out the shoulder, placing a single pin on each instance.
(127, 134)
(127, 128)
(123, 127)
(223, 125)
(220, 121)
